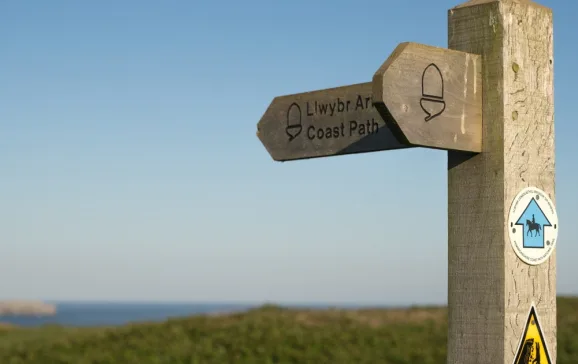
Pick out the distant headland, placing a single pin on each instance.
(26, 308)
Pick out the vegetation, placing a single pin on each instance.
(266, 335)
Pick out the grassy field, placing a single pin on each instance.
(265, 335)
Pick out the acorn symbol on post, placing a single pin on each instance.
(432, 91)
(294, 126)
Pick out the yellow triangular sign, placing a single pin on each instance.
(532, 348)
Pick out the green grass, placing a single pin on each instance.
(265, 335)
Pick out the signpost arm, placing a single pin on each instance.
(490, 289)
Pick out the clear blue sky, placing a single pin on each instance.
(131, 169)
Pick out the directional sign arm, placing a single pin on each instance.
(431, 97)
(335, 121)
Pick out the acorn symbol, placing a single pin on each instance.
(432, 90)
(294, 127)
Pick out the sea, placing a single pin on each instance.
(84, 314)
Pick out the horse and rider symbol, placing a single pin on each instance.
(533, 225)
(533, 220)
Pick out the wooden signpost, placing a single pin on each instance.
(488, 101)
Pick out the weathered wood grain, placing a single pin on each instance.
(431, 97)
(335, 121)
(490, 290)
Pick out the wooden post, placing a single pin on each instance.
(503, 225)
(490, 289)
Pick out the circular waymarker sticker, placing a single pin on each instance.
(533, 226)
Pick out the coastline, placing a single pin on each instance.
(26, 308)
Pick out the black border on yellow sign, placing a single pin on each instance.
(525, 332)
